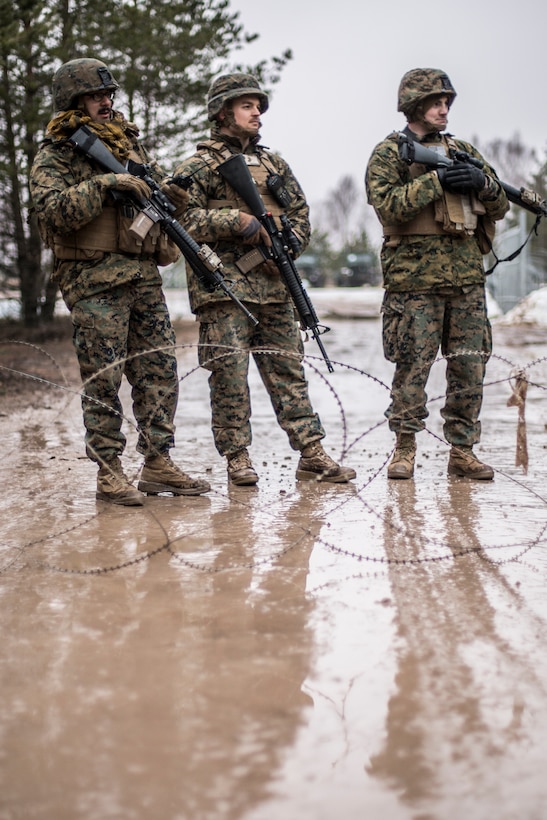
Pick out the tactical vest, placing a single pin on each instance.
(214, 153)
(452, 214)
(110, 232)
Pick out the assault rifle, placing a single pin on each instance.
(159, 208)
(411, 151)
(236, 173)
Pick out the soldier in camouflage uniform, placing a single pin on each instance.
(437, 226)
(218, 216)
(111, 284)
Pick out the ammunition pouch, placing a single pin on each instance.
(486, 230)
(110, 233)
(452, 214)
(261, 169)
(250, 260)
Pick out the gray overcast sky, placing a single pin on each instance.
(338, 96)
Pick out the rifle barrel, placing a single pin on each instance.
(412, 151)
(235, 171)
(516, 196)
(209, 273)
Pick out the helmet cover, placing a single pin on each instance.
(420, 83)
(82, 76)
(229, 87)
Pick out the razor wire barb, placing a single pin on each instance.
(20, 556)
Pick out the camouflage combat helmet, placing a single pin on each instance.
(420, 83)
(228, 87)
(83, 76)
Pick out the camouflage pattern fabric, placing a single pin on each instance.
(421, 263)
(420, 83)
(81, 76)
(414, 326)
(67, 194)
(126, 322)
(119, 135)
(435, 296)
(218, 228)
(229, 87)
(222, 328)
(117, 305)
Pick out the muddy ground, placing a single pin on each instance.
(293, 650)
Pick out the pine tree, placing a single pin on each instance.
(162, 53)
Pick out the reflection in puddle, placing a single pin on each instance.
(296, 650)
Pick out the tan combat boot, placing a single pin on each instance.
(316, 465)
(402, 463)
(114, 486)
(463, 462)
(241, 470)
(161, 475)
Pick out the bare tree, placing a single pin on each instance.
(338, 211)
(513, 160)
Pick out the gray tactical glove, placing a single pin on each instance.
(461, 178)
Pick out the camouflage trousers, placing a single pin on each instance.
(226, 339)
(126, 330)
(415, 325)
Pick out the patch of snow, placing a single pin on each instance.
(532, 310)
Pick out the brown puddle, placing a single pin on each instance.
(293, 650)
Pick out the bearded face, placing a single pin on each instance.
(241, 117)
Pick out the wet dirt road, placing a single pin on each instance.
(290, 651)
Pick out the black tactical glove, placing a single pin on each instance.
(461, 178)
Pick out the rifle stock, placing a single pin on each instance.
(412, 151)
(203, 260)
(236, 173)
